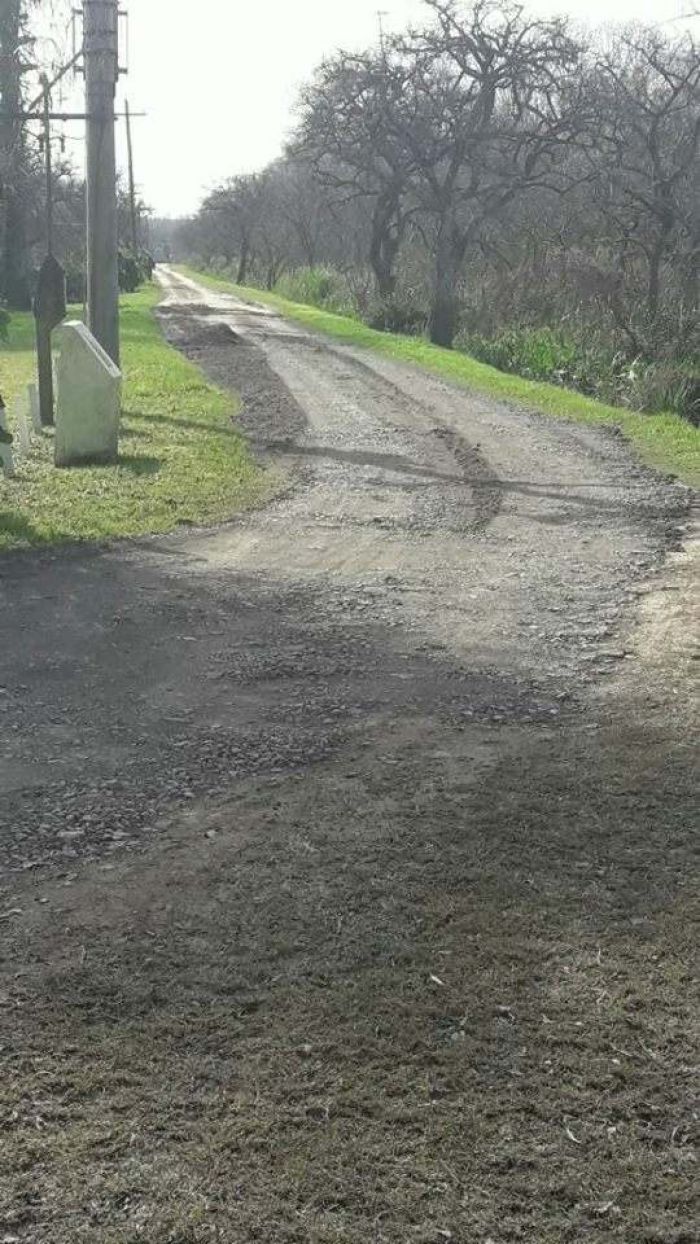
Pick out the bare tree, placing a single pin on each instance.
(351, 129)
(228, 222)
(493, 172)
(489, 116)
(646, 96)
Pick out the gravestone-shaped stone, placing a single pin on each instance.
(49, 310)
(7, 462)
(23, 425)
(87, 409)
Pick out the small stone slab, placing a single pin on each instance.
(34, 411)
(24, 433)
(87, 409)
(22, 440)
(7, 462)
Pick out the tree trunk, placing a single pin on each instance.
(444, 312)
(14, 253)
(307, 243)
(654, 286)
(387, 232)
(656, 259)
(275, 268)
(382, 267)
(243, 260)
(691, 282)
(15, 286)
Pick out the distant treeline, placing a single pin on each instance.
(500, 182)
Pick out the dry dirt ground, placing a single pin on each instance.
(348, 887)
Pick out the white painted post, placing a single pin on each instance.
(87, 409)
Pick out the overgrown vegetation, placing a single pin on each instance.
(501, 183)
(319, 287)
(182, 460)
(591, 366)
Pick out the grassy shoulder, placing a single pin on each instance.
(664, 441)
(181, 461)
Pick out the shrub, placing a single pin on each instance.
(667, 386)
(134, 270)
(76, 283)
(403, 312)
(318, 287)
(539, 353)
(584, 362)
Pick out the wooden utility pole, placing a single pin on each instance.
(50, 298)
(43, 330)
(101, 56)
(48, 163)
(132, 184)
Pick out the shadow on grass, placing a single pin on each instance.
(137, 464)
(131, 336)
(19, 338)
(200, 425)
(140, 464)
(18, 526)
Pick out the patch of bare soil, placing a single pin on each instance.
(380, 1002)
(434, 989)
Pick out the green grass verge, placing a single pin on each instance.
(182, 461)
(664, 441)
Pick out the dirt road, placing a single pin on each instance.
(347, 849)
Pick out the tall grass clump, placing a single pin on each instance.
(318, 287)
(587, 364)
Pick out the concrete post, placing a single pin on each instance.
(87, 411)
(101, 48)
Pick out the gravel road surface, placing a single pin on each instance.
(355, 833)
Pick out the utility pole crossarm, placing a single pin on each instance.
(49, 85)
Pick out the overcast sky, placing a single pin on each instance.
(219, 78)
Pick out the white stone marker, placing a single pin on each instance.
(87, 406)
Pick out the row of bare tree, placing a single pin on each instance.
(494, 166)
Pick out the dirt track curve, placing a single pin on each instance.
(347, 849)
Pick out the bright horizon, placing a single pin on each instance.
(223, 103)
